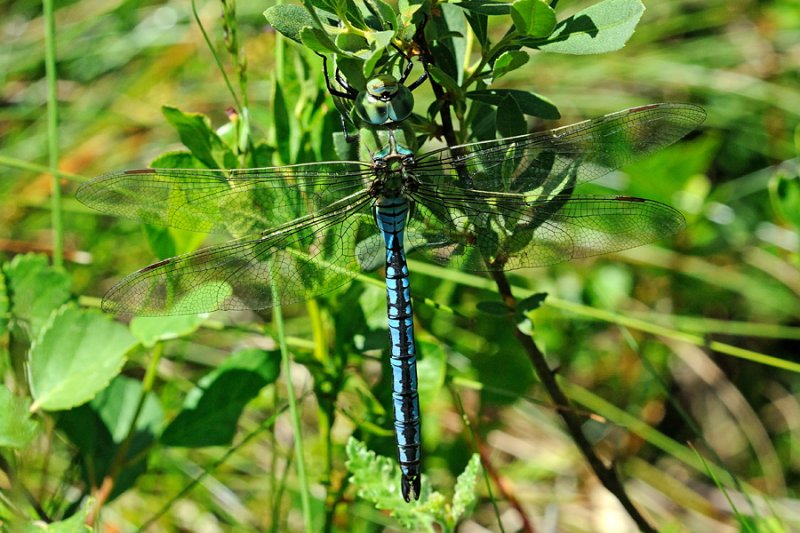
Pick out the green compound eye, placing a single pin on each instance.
(383, 86)
(384, 101)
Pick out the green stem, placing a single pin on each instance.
(119, 460)
(294, 414)
(52, 132)
(21, 164)
(216, 57)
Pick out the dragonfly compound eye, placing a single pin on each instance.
(383, 87)
(384, 101)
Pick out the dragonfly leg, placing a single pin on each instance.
(348, 137)
(409, 67)
(349, 93)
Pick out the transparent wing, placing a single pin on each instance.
(482, 231)
(543, 162)
(240, 201)
(309, 256)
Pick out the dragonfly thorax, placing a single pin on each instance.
(394, 176)
(384, 101)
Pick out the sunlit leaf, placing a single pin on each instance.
(75, 357)
(17, 429)
(600, 28)
(508, 62)
(35, 289)
(534, 18)
(289, 20)
(196, 133)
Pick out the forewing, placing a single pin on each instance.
(543, 162)
(239, 201)
(309, 256)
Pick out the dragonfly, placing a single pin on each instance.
(304, 230)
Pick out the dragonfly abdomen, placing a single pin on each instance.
(391, 215)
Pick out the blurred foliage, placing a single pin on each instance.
(717, 300)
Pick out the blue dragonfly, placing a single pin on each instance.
(304, 230)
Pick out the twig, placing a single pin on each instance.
(607, 474)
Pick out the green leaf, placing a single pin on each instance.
(532, 302)
(17, 429)
(318, 40)
(510, 121)
(386, 13)
(76, 356)
(493, 308)
(377, 479)
(379, 41)
(283, 126)
(116, 406)
(485, 7)
(211, 410)
(784, 193)
(160, 240)
(443, 79)
(196, 133)
(480, 27)
(74, 524)
(601, 28)
(176, 159)
(524, 307)
(508, 62)
(98, 429)
(151, 329)
(529, 103)
(289, 20)
(35, 289)
(533, 18)
(5, 310)
(464, 496)
(350, 42)
(353, 70)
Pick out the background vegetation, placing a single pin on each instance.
(682, 355)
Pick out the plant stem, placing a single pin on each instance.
(52, 132)
(216, 57)
(607, 475)
(121, 455)
(286, 361)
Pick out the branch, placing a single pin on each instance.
(607, 474)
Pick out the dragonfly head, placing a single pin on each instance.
(384, 101)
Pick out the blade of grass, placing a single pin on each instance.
(52, 131)
(286, 361)
(746, 525)
(266, 424)
(216, 58)
(478, 282)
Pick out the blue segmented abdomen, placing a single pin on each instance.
(391, 214)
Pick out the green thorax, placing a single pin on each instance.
(378, 141)
(392, 160)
